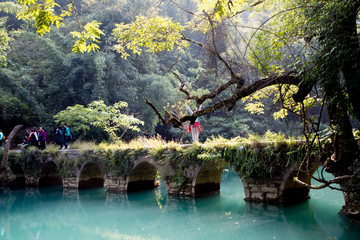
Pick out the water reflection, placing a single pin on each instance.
(54, 213)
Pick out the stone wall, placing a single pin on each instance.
(263, 191)
(70, 182)
(115, 184)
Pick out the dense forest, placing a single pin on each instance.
(40, 76)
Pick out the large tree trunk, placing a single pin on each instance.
(3, 166)
(345, 159)
(342, 42)
(347, 38)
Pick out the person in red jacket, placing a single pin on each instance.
(33, 138)
(194, 128)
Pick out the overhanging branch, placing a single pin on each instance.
(230, 102)
(327, 183)
(155, 110)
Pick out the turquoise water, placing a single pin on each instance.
(48, 213)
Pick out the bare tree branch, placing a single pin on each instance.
(327, 183)
(3, 166)
(214, 51)
(181, 8)
(230, 102)
(76, 16)
(213, 94)
(156, 111)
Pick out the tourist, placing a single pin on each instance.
(24, 144)
(67, 136)
(194, 128)
(60, 136)
(2, 137)
(42, 138)
(33, 137)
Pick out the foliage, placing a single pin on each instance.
(111, 119)
(86, 40)
(77, 116)
(156, 34)
(4, 43)
(98, 114)
(43, 12)
(31, 159)
(280, 94)
(44, 15)
(7, 8)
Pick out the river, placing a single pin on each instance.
(48, 213)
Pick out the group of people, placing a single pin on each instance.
(63, 136)
(36, 137)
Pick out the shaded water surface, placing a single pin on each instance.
(48, 213)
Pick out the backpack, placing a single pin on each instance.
(67, 132)
(41, 137)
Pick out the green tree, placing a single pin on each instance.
(98, 114)
(78, 117)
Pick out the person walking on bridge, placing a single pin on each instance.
(60, 136)
(67, 136)
(194, 128)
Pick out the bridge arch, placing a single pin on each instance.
(143, 176)
(207, 179)
(90, 176)
(49, 175)
(19, 181)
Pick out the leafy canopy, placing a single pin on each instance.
(156, 34)
(280, 94)
(98, 114)
(43, 13)
(77, 116)
(86, 40)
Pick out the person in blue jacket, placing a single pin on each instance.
(67, 136)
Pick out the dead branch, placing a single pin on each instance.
(234, 77)
(181, 8)
(182, 83)
(4, 162)
(327, 183)
(230, 102)
(200, 100)
(156, 111)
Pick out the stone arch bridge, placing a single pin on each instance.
(266, 169)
